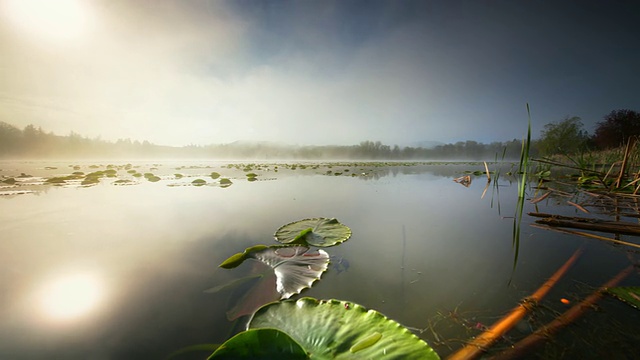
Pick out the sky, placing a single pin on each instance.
(180, 72)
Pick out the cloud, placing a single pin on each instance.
(330, 72)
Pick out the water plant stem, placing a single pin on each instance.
(479, 345)
(544, 333)
(522, 185)
(623, 169)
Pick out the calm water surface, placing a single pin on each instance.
(118, 272)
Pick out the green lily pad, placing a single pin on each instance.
(199, 182)
(295, 267)
(335, 329)
(628, 294)
(319, 232)
(260, 344)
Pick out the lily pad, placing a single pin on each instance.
(295, 267)
(319, 232)
(628, 294)
(335, 329)
(260, 344)
(199, 182)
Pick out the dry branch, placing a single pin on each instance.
(476, 347)
(616, 227)
(544, 333)
(578, 206)
(592, 236)
(486, 168)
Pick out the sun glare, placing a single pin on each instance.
(59, 20)
(71, 296)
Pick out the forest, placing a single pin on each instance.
(563, 137)
(35, 143)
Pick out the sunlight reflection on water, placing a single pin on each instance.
(72, 296)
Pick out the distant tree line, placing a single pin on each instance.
(33, 142)
(568, 136)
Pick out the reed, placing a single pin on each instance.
(522, 183)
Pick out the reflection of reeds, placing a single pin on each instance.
(404, 257)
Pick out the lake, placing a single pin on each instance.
(120, 271)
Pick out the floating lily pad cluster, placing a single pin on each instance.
(308, 328)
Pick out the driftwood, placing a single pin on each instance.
(616, 227)
(480, 344)
(543, 334)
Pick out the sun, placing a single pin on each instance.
(52, 20)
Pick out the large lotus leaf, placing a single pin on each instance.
(334, 329)
(296, 267)
(319, 232)
(282, 271)
(628, 294)
(260, 344)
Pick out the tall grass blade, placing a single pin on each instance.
(522, 183)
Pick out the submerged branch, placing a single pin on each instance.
(580, 233)
(476, 347)
(544, 333)
(617, 227)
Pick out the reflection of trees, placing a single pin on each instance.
(34, 142)
(447, 170)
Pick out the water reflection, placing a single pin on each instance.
(70, 297)
(143, 255)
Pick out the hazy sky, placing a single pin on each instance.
(178, 72)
